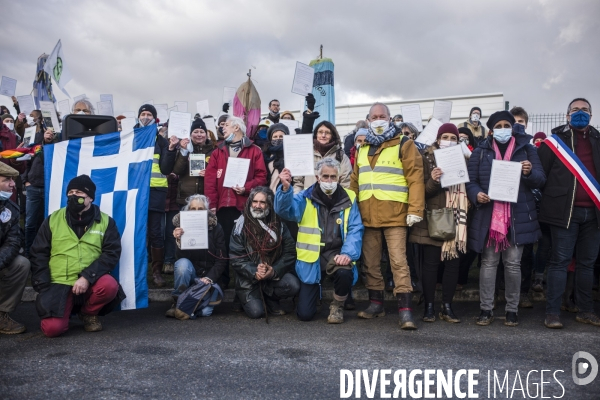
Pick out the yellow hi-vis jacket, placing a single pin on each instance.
(386, 181)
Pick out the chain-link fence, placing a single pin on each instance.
(546, 122)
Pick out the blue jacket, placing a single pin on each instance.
(524, 227)
(291, 207)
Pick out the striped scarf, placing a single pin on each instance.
(456, 198)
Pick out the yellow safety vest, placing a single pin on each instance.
(157, 179)
(386, 181)
(308, 244)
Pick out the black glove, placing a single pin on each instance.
(312, 115)
(226, 108)
(310, 102)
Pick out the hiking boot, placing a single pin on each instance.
(389, 286)
(538, 285)
(274, 307)
(9, 326)
(525, 301)
(588, 318)
(405, 311)
(91, 323)
(349, 304)
(428, 313)
(375, 308)
(511, 319)
(448, 315)
(336, 312)
(485, 318)
(168, 268)
(568, 300)
(552, 321)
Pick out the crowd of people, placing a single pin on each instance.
(366, 213)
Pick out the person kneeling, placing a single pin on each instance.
(206, 264)
(262, 254)
(71, 258)
(329, 237)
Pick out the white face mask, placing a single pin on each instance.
(446, 143)
(328, 187)
(475, 117)
(29, 120)
(80, 113)
(145, 121)
(5, 195)
(11, 126)
(379, 126)
(398, 124)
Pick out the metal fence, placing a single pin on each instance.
(546, 122)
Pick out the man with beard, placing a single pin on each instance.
(262, 253)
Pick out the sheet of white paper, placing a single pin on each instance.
(197, 163)
(452, 163)
(27, 105)
(64, 107)
(298, 155)
(151, 102)
(179, 124)
(465, 149)
(236, 173)
(80, 97)
(429, 134)
(28, 135)
(182, 106)
(104, 108)
(195, 229)
(106, 97)
(210, 125)
(48, 106)
(129, 114)
(505, 180)
(127, 124)
(412, 113)
(291, 124)
(162, 112)
(304, 77)
(202, 108)
(442, 110)
(228, 95)
(8, 86)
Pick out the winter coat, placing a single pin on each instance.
(245, 263)
(34, 171)
(220, 196)
(478, 131)
(8, 141)
(349, 142)
(52, 297)
(384, 214)
(171, 203)
(559, 193)
(11, 235)
(158, 196)
(189, 185)
(524, 227)
(302, 182)
(291, 207)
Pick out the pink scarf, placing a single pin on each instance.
(501, 213)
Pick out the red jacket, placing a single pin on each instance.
(220, 196)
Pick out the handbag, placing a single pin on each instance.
(440, 224)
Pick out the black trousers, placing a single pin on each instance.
(431, 262)
(156, 233)
(310, 294)
(226, 217)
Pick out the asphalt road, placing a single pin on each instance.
(142, 354)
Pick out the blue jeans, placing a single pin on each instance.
(34, 214)
(185, 273)
(581, 239)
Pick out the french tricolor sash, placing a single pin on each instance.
(574, 164)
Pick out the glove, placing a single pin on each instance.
(226, 108)
(310, 102)
(312, 115)
(412, 219)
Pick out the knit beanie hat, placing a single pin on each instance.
(198, 123)
(83, 183)
(148, 107)
(448, 128)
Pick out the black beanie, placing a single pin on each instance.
(478, 109)
(277, 127)
(83, 183)
(148, 107)
(500, 116)
(198, 123)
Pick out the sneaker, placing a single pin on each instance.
(552, 321)
(588, 318)
(9, 326)
(525, 301)
(511, 319)
(91, 323)
(538, 285)
(485, 318)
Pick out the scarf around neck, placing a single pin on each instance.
(376, 140)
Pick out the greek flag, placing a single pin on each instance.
(120, 164)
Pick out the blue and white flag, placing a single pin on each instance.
(119, 164)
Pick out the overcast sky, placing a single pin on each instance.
(540, 54)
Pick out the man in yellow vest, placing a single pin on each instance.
(329, 237)
(71, 259)
(388, 180)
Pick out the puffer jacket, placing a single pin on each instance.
(384, 214)
(11, 235)
(189, 185)
(292, 206)
(302, 182)
(245, 263)
(524, 227)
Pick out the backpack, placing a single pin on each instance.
(195, 298)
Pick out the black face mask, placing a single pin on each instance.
(75, 204)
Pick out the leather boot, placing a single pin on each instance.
(158, 257)
(567, 301)
(336, 312)
(405, 311)
(429, 313)
(375, 308)
(448, 315)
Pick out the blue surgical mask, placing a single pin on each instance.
(5, 195)
(580, 119)
(230, 137)
(502, 135)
